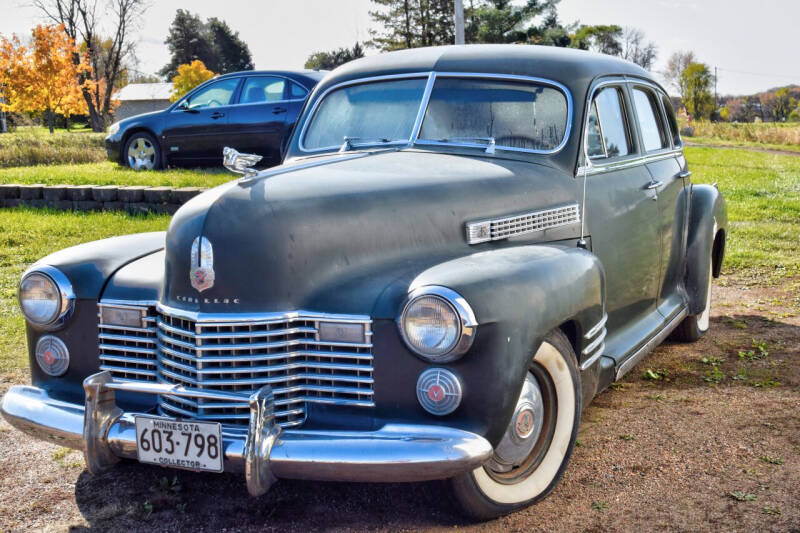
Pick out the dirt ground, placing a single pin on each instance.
(701, 437)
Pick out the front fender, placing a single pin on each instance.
(708, 223)
(518, 295)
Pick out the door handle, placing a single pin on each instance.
(215, 115)
(683, 174)
(654, 185)
(279, 110)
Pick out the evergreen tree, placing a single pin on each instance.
(331, 60)
(212, 42)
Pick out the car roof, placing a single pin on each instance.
(571, 67)
(308, 77)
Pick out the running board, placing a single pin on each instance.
(631, 361)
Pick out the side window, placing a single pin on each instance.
(296, 91)
(653, 135)
(671, 120)
(608, 128)
(263, 89)
(215, 95)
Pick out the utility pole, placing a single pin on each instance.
(459, 19)
(715, 90)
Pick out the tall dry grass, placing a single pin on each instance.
(765, 133)
(27, 146)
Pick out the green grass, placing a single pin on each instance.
(36, 146)
(763, 195)
(108, 173)
(762, 189)
(716, 141)
(29, 234)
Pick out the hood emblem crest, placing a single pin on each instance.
(201, 274)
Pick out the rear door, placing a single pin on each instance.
(259, 121)
(667, 183)
(197, 127)
(622, 220)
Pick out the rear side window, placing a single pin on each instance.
(608, 128)
(653, 135)
(296, 91)
(672, 122)
(262, 89)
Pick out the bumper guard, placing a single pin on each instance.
(105, 434)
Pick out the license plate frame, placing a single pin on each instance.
(174, 452)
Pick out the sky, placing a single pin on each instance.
(754, 46)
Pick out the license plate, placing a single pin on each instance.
(179, 444)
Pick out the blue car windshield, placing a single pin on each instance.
(372, 113)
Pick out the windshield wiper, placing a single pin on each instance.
(488, 140)
(348, 143)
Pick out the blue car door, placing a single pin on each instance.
(264, 116)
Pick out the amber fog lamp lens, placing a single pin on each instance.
(39, 299)
(431, 326)
(119, 316)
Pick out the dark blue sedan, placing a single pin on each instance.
(253, 111)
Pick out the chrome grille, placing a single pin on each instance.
(129, 353)
(239, 356)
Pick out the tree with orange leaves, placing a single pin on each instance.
(42, 77)
(189, 76)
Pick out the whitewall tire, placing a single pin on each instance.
(500, 487)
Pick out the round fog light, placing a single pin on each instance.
(439, 391)
(52, 355)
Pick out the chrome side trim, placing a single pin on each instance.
(589, 362)
(395, 452)
(631, 361)
(595, 343)
(432, 76)
(596, 328)
(626, 163)
(512, 226)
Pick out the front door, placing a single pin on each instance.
(622, 221)
(197, 128)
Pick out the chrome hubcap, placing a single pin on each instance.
(141, 154)
(524, 429)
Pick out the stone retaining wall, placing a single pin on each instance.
(133, 199)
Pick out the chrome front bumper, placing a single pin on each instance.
(395, 452)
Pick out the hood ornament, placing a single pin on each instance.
(240, 163)
(201, 274)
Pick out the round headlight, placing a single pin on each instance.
(45, 296)
(437, 323)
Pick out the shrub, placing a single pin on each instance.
(766, 133)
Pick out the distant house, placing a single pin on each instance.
(136, 98)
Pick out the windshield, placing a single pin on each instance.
(466, 111)
(367, 113)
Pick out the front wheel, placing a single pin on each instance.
(142, 152)
(531, 458)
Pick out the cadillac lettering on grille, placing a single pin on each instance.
(305, 358)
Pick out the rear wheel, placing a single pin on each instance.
(531, 458)
(142, 152)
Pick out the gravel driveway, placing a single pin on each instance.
(702, 437)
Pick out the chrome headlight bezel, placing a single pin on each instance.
(66, 302)
(466, 323)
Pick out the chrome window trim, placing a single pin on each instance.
(423, 107)
(372, 79)
(637, 157)
(660, 115)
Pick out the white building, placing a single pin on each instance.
(136, 98)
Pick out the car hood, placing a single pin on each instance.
(331, 236)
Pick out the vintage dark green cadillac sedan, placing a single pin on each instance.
(463, 246)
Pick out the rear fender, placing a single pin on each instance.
(708, 223)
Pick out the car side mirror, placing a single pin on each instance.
(240, 163)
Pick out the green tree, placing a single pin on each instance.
(696, 83)
(412, 23)
(212, 42)
(605, 39)
(331, 60)
(504, 21)
(783, 103)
